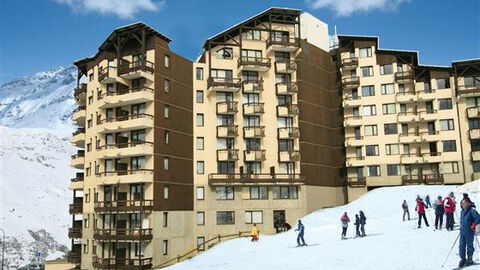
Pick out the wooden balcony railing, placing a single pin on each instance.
(254, 61)
(356, 181)
(122, 263)
(283, 41)
(80, 89)
(125, 118)
(140, 65)
(124, 205)
(74, 257)
(118, 234)
(257, 178)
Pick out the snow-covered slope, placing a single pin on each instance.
(390, 242)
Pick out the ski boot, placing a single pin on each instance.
(461, 263)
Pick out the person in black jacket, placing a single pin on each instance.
(357, 225)
(439, 212)
(363, 221)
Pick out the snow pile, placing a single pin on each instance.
(390, 242)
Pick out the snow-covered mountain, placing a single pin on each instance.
(35, 131)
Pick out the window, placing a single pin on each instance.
(199, 119)
(87, 196)
(476, 166)
(137, 163)
(386, 69)
(390, 128)
(473, 102)
(200, 143)
(406, 148)
(445, 104)
(401, 88)
(258, 193)
(225, 217)
(373, 170)
(388, 89)
(199, 96)
(167, 61)
(365, 52)
(443, 83)
(165, 247)
(85, 246)
(200, 167)
(166, 110)
(252, 34)
(88, 171)
(90, 123)
(201, 243)
(392, 149)
(166, 86)
(166, 163)
(224, 193)
(369, 110)
(251, 55)
(446, 124)
(285, 192)
(253, 217)
(366, 71)
(167, 137)
(389, 108)
(165, 192)
(368, 90)
(371, 130)
(371, 150)
(449, 146)
(450, 167)
(225, 53)
(165, 219)
(200, 193)
(199, 73)
(200, 218)
(393, 169)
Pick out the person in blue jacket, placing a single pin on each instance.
(301, 230)
(468, 218)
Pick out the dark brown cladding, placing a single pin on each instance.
(320, 119)
(179, 125)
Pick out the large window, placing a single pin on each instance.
(393, 169)
(367, 71)
(225, 53)
(450, 167)
(389, 108)
(199, 73)
(386, 69)
(224, 193)
(373, 170)
(371, 130)
(368, 90)
(390, 128)
(445, 104)
(392, 149)
(446, 124)
(371, 150)
(258, 193)
(285, 192)
(225, 217)
(253, 217)
(251, 55)
(369, 110)
(137, 163)
(365, 52)
(388, 89)
(443, 83)
(449, 146)
(252, 34)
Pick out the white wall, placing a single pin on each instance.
(314, 30)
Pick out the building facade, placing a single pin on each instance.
(269, 124)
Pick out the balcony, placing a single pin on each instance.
(128, 149)
(428, 179)
(76, 208)
(78, 160)
(426, 95)
(253, 132)
(107, 75)
(125, 176)
(430, 136)
(406, 97)
(253, 109)
(125, 123)
(124, 206)
(76, 183)
(74, 257)
(354, 141)
(80, 93)
(122, 263)
(288, 133)
(135, 70)
(254, 155)
(433, 157)
(227, 107)
(78, 137)
(260, 64)
(79, 115)
(227, 131)
(476, 155)
(407, 117)
(286, 88)
(412, 179)
(245, 178)
(227, 155)
(351, 101)
(118, 234)
(433, 179)
(411, 158)
(355, 161)
(474, 134)
(349, 63)
(283, 44)
(285, 66)
(76, 231)
(468, 89)
(224, 84)
(404, 77)
(355, 182)
(409, 137)
(352, 121)
(287, 110)
(126, 97)
(288, 156)
(473, 112)
(350, 82)
(252, 86)
(430, 115)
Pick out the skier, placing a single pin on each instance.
(345, 220)
(449, 205)
(254, 233)
(363, 221)
(420, 208)
(427, 201)
(301, 231)
(469, 217)
(405, 210)
(357, 225)
(465, 196)
(439, 211)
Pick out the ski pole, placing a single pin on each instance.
(458, 236)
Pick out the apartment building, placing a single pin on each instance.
(133, 196)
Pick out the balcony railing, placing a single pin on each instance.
(254, 132)
(224, 84)
(122, 263)
(125, 172)
(404, 76)
(468, 89)
(286, 88)
(254, 178)
(124, 205)
(78, 177)
(140, 65)
(285, 43)
(350, 63)
(253, 108)
(118, 234)
(123, 145)
(288, 155)
(285, 66)
(227, 107)
(75, 232)
(125, 118)
(351, 82)
(356, 182)
(80, 89)
(257, 63)
(125, 91)
(227, 155)
(288, 110)
(74, 257)
(254, 155)
(227, 131)
(79, 131)
(76, 208)
(252, 86)
(429, 179)
(106, 72)
(79, 154)
(288, 133)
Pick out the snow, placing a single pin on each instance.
(390, 242)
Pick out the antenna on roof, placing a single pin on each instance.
(334, 39)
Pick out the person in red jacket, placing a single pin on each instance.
(449, 205)
(421, 212)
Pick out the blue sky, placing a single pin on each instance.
(39, 35)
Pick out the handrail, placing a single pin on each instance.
(350, 61)
(125, 118)
(254, 61)
(79, 108)
(78, 131)
(123, 145)
(125, 172)
(126, 91)
(283, 41)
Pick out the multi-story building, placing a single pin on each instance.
(269, 124)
